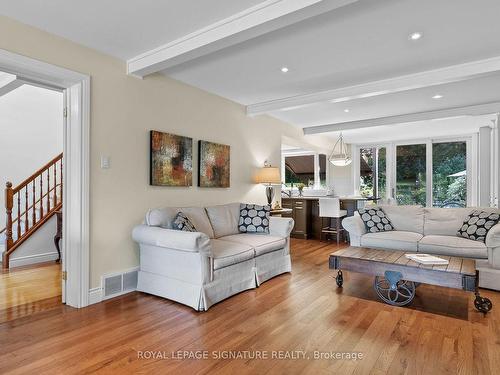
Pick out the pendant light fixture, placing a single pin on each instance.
(339, 156)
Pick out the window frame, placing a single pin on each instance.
(471, 165)
(315, 154)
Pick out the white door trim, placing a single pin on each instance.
(76, 88)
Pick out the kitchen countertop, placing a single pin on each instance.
(341, 198)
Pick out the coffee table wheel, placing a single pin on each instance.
(400, 293)
(339, 279)
(482, 304)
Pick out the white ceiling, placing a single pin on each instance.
(121, 28)
(361, 42)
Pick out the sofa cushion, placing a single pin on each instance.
(254, 218)
(444, 221)
(226, 253)
(396, 240)
(453, 246)
(405, 218)
(262, 244)
(477, 224)
(182, 222)
(164, 218)
(375, 220)
(224, 219)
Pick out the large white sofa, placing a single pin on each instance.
(432, 231)
(202, 268)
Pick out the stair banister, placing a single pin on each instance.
(46, 209)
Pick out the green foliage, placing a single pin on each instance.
(457, 191)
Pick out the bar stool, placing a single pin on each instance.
(330, 208)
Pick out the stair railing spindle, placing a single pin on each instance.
(26, 217)
(61, 178)
(18, 215)
(41, 198)
(33, 208)
(48, 190)
(55, 185)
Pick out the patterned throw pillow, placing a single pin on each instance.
(477, 224)
(182, 222)
(254, 218)
(375, 220)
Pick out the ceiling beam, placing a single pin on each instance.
(263, 18)
(8, 83)
(454, 73)
(473, 110)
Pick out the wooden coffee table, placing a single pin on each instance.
(397, 277)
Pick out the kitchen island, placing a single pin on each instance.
(305, 212)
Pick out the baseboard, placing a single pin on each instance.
(33, 259)
(95, 295)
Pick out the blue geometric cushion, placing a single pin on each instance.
(477, 224)
(375, 220)
(254, 218)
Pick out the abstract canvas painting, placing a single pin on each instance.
(214, 165)
(171, 160)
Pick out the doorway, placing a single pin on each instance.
(75, 195)
(31, 161)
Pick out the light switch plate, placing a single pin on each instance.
(105, 162)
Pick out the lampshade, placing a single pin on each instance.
(268, 175)
(339, 156)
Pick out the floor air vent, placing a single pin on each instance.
(114, 285)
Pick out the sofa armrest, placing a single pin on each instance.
(354, 225)
(280, 226)
(172, 239)
(493, 237)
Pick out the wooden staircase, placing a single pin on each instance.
(30, 205)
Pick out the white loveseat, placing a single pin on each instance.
(202, 268)
(432, 231)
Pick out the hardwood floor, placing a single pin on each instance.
(303, 311)
(29, 289)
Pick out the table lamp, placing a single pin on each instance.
(269, 176)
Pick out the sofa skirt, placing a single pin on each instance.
(226, 282)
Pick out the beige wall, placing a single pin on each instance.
(123, 110)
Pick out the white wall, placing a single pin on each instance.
(31, 128)
(38, 248)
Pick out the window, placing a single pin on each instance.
(308, 168)
(432, 173)
(372, 172)
(299, 169)
(411, 174)
(449, 174)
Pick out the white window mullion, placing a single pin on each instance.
(428, 172)
(356, 162)
(393, 171)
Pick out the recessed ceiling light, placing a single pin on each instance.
(346, 110)
(437, 96)
(284, 69)
(415, 36)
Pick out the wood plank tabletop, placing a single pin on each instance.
(458, 265)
